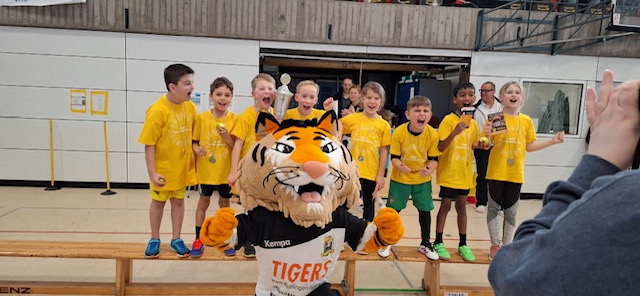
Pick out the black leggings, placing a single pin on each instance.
(366, 192)
(504, 193)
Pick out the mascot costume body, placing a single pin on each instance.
(297, 182)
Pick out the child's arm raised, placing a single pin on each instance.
(226, 136)
(535, 145)
(444, 144)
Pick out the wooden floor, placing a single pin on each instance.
(72, 214)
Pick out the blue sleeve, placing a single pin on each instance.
(542, 260)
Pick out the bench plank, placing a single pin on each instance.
(125, 253)
(411, 254)
(60, 288)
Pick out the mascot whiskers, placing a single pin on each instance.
(297, 183)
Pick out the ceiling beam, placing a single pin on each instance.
(342, 65)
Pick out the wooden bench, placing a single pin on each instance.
(431, 278)
(125, 253)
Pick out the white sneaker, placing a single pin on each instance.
(429, 252)
(481, 209)
(363, 252)
(384, 252)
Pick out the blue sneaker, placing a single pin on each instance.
(230, 252)
(197, 248)
(178, 246)
(153, 249)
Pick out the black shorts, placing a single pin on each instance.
(223, 189)
(452, 193)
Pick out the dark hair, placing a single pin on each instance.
(463, 85)
(221, 81)
(347, 76)
(173, 73)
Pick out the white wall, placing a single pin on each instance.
(41, 66)
(556, 162)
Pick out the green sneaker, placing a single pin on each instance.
(442, 251)
(466, 253)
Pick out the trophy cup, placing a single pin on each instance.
(283, 97)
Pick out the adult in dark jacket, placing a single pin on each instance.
(342, 97)
(584, 240)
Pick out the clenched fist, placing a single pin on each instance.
(217, 230)
(390, 229)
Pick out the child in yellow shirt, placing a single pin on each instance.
(505, 172)
(455, 169)
(263, 93)
(166, 136)
(212, 145)
(414, 156)
(370, 140)
(307, 97)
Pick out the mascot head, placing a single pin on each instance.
(298, 168)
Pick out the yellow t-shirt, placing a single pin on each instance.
(168, 127)
(414, 151)
(511, 145)
(205, 132)
(245, 128)
(367, 136)
(455, 165)
(294, 114)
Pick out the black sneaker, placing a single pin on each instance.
(249, 251)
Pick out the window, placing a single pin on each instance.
(553, 106)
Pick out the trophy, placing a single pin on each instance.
(283, 97)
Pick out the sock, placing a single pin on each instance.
(425, 226)
(463, 240)
(198, 231)
(438, 238)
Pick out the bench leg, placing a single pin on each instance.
(349, 281)
(123, 275)
(431, 279)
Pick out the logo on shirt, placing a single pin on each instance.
(280, 244)
(328, 246)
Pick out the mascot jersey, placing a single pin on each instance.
(295, 260)
(296, 184)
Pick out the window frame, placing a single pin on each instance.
(580, 117)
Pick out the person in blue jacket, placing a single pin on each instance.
(585, 239)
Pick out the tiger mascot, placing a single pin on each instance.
(296, 184)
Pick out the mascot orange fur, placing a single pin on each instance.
(296, 184)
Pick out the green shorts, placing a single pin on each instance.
(399, 195)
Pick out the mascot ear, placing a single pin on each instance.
(329, 122)
(266, 124)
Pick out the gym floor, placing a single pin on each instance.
(74, 214)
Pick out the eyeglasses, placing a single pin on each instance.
(486, 90)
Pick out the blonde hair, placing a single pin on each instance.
(418, 101)
(357, 87)
(262, 76)
(308, 82)
(504, 87)
(377, 89)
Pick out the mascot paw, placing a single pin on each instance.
(390, 229)
(217, 230)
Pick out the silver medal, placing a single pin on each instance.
(510, 161)
(212, 159)
(360, 158)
